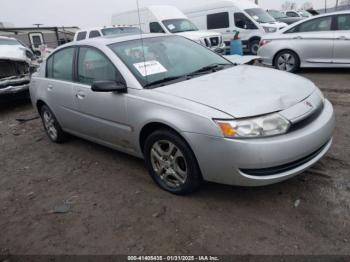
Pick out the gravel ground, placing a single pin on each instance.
(110, 205)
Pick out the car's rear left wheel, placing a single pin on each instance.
(51, 125)
(171, 163)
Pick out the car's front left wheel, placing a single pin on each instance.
(51, 125)
(171, 162)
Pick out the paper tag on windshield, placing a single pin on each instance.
(171, 27)
(150, 68)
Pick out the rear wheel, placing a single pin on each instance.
(51, 125)
(287, 61)
(171, 163)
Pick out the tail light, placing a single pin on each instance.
(264, 42)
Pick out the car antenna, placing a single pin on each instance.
(142, 44)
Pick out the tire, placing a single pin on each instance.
(51, 126)
(254, 46)
(287, 61)
(171, 163)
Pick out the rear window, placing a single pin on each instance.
(81, 36)
(218, 20)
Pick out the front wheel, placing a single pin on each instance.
(171, 163)
(287, 61)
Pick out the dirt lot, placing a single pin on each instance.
(113, 206)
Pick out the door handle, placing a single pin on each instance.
(80, 95)
(342, 38)
(298, 37)
(49, 87)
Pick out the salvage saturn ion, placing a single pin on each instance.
(190, 113)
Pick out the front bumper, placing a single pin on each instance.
(225, 160)
(14, 85)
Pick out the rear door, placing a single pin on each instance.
(313, 40)
(102, 115)
(342, 39)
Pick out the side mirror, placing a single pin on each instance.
(109, 86)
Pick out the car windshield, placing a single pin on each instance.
(304, 13)
(276, 14)
(120, 30)
(4, 41)
(163, 59)
(260, 15)
(179, 25)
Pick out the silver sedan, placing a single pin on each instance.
(190, 113)
(321, 41)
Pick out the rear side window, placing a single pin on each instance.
(94, 34)
(94, 66)
(60, 65)
(316, 25)
(243, 22)
(81, 36)
(343, 22)
(292, 14)
(155, 27)
(218, 20)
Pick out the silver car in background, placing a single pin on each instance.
(321, 41)
(189, 112)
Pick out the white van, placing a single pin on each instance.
(169, 20)
(105, 31)
(230, 16)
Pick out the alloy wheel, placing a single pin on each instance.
(49, 123)
(286, 62)
(169, 163)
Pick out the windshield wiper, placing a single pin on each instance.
(212, 68)
(162, 81)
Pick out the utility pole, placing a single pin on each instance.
(257, 2)
(336, 5)
(325, 6)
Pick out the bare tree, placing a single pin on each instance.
(307, 5)
(289, 5)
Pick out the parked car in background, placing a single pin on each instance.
(230, 16)
(320, 41)
(282, 17)
(105, 31)
(185, 109)
(16, 66)
(167, 19)
(302, 14)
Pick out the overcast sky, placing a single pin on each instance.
(87, 13)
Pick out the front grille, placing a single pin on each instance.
(283, 168)
(10, 68)
(305, 122)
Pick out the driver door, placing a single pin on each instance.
(103, 116)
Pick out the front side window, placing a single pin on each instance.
(158, 58)
(94, 34)
(179, 25)
(94, 66)
(343, 22)
(276, 14)
(156, 28)
(260, 15)
(60, 65)
(316, 25)
(243, 22)
(219, 20)
(81, 36)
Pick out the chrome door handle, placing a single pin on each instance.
(80, 95)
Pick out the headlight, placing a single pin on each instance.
(270, 29)
(269, 125)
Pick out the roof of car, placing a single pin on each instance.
(103, 27)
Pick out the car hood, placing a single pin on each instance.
(13, 52)
(244, 91)
(194, 35)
